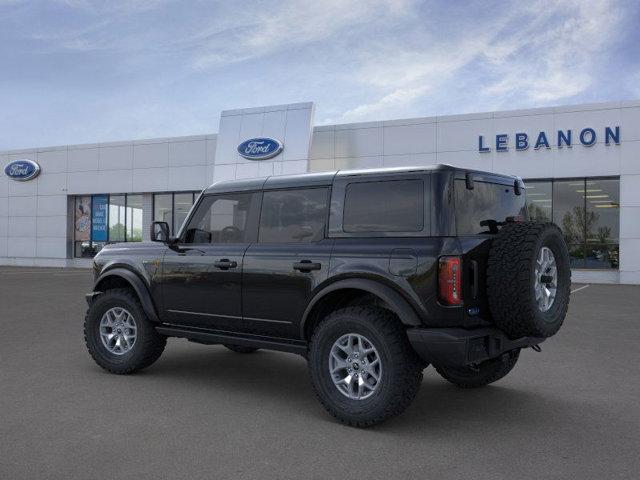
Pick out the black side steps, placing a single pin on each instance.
(213, 337)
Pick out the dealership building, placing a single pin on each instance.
(581, 165)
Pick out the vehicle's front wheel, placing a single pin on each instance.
(118, 334)
(362, 366)
(487, 372)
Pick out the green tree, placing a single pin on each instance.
(537, 213)
(576, 223)
(116, 233)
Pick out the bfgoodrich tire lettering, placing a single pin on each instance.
(148, 345)
(511, 279)
(401, 369)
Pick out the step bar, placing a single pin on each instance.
(215, 337)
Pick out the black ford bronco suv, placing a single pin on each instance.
(371, 275)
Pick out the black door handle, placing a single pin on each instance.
(225, 264)
(306, 266)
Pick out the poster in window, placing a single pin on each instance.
(83, 219)
(99, 208)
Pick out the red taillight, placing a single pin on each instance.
(449, 281)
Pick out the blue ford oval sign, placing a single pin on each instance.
(22, 170)
(260, 148)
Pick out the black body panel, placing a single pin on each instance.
(199, 290)
(277, 288)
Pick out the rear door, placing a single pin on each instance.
(289, 260)
(483, 203)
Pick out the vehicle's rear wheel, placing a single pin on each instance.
(362, 366)
(241, 348)
(529, 279)
(487, 372)
(118, 334)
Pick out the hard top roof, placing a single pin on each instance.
(326, 178)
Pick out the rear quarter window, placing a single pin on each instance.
(384, 206)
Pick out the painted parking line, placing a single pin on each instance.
(580, 288)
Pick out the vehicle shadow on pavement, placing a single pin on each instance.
(277, 381)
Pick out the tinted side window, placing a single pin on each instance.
(223, 218)
(389, 206)
(293, 215)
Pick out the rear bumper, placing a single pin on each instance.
(460, 347)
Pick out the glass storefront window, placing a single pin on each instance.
(569, 215)
(82, 227)
(102, 219)
(182, 203)
(172, 208)
(539, 199)
(603, 223)
(117, 218)
(568, 209)
(163, 208)
(134, 218)
(588, 213)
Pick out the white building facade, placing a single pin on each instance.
(581, 165)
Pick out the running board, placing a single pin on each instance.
(222, 337)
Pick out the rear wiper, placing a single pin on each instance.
(492, 224)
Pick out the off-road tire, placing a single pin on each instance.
(241, 348)
(487, 372)
(401, 368)
(148, 346)
(511, 279)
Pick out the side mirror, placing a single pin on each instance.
(160, 232)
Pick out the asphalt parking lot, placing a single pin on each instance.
(572, 411)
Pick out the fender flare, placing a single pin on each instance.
(138, 285)
(399, 305)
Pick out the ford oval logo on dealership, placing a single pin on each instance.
(260, 148)
(22, 170)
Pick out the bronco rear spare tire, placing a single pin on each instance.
(529, 279)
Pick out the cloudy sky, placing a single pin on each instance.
(80, 71)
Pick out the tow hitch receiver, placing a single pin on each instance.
(460, 347)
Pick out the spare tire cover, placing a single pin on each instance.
(529, 279)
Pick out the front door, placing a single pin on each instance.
(202, 272)
(290, 259)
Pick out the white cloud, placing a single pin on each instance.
(287, 25)
(554, 63)
(160, 67)
(543, 52)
